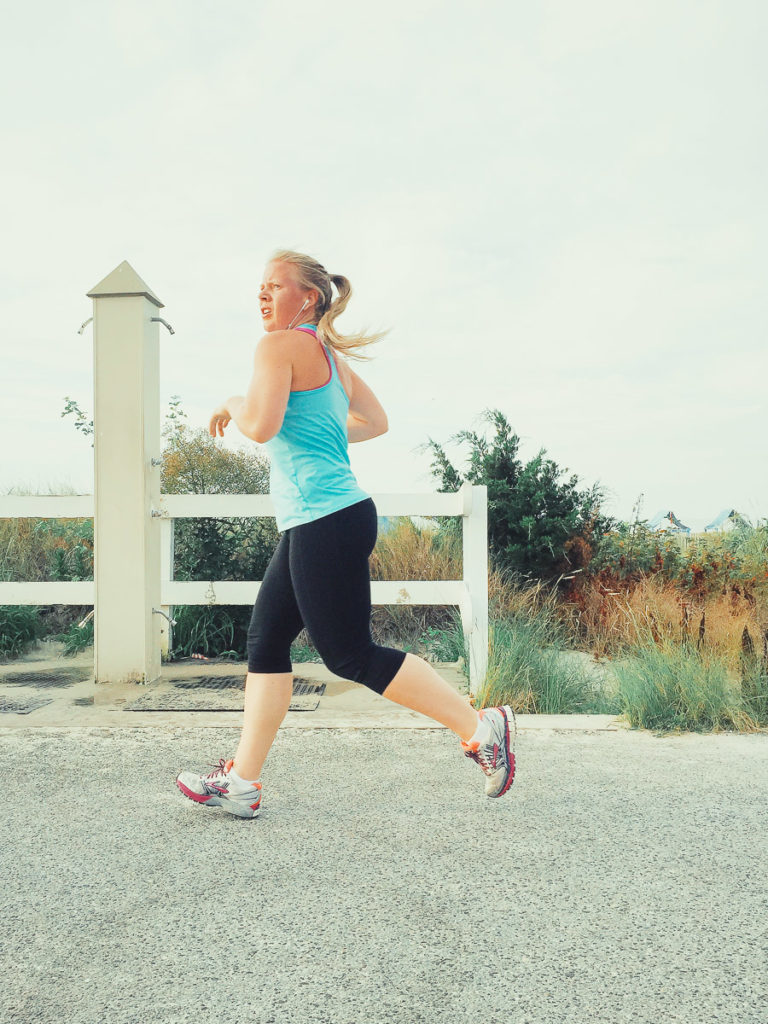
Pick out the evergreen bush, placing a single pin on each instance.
(538, 525)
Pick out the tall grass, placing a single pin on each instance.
(531, 676)
(532, 662)
(672, 686)
(20, 627)
(208, 630)
(754, 687)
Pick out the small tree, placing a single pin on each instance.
(227, 548)
(538, 525)
(82, 423)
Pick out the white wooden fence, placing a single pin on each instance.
(470, 593)
(133, 589)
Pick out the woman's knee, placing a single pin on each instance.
(265, 656)
(373, 666)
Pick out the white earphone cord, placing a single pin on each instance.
(290, 325)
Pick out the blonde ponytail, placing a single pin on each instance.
(313, 275)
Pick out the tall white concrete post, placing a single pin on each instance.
(126, 381)
(474, 612)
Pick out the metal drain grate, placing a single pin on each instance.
(22, 705)
(306, 697)
(43, 680)
(210, 683)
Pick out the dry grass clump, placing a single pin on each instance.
(407, 552)
(717, 622)
(612, 620)
(27, 546)
(510, 594)
(22, 554)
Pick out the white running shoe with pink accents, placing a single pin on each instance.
(215, 790)
(493, 751)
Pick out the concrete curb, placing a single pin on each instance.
(344, 705)
(302, 720)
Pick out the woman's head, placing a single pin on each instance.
(297, 289)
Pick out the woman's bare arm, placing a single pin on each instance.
(366, 418)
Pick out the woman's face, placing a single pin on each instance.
(281, 298)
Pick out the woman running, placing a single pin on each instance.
(305, 404)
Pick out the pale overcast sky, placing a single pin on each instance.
(557, 208)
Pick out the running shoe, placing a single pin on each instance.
(213, 790)
(493, 752)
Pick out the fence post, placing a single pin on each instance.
(474, 613)
(126, 382)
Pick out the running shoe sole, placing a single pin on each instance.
(505, 709)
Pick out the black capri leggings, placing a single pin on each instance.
(319, 577)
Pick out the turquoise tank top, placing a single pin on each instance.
(310, 475)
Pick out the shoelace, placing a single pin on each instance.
(220, 769)
(484, 760)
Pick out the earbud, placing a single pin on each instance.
(306, 303)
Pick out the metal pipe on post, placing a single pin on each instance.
(474, 613)
(126, 381)
(167, 546)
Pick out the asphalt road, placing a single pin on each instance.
(622, 878)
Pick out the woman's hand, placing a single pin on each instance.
(219, 420)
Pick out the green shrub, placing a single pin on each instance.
(537, 524)
(631, 550)
(227, 548)
(715, 560)
(749, 547)
(69, 543)
(702, 564)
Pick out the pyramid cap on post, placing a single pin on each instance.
(123, 281)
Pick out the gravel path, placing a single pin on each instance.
(622, 878)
